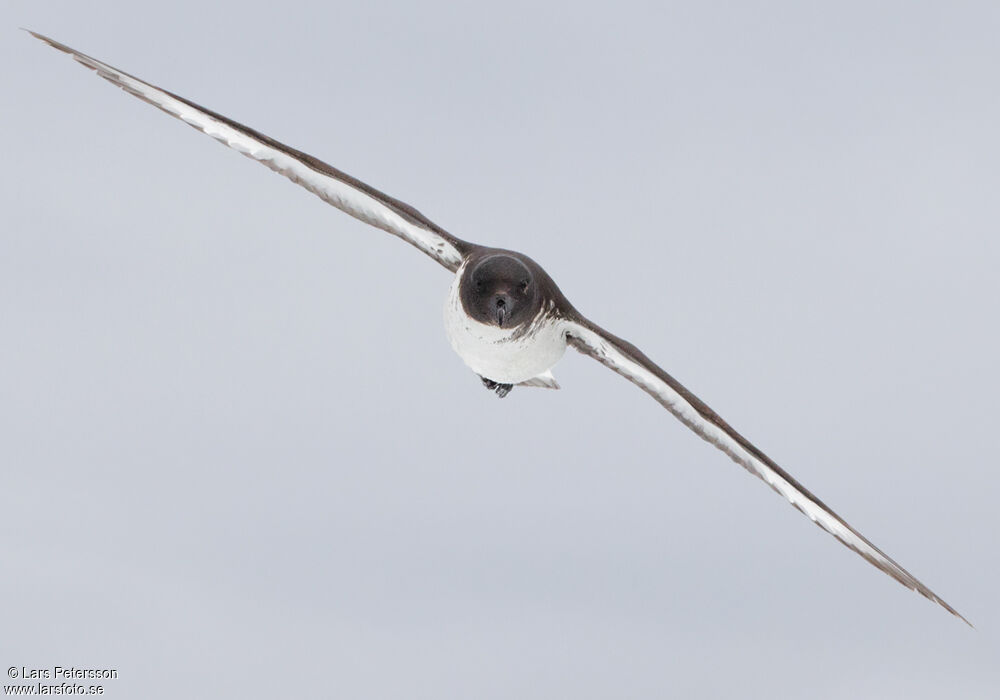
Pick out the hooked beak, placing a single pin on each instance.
(500, 306)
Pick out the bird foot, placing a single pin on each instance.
(501, 389)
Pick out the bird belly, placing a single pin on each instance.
(504, 355)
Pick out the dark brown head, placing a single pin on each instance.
(500, 290)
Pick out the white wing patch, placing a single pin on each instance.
(694, 414)
(339, 193)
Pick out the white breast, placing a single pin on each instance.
(505, 355)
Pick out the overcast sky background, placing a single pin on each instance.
(239, 458)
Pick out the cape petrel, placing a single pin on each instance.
(504, 315)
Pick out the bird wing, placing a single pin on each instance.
(628, 361)
(328, 183)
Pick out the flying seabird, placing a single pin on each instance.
(504, 315)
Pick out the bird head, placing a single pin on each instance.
(499, 290)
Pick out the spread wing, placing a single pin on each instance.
(625, 359)
(329, 184)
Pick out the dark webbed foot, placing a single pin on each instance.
(501, 389)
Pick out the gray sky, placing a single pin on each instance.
(239, 458)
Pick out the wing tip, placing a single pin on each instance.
(962, 618)
(952, 610)
(59, 46)
(42, 37)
